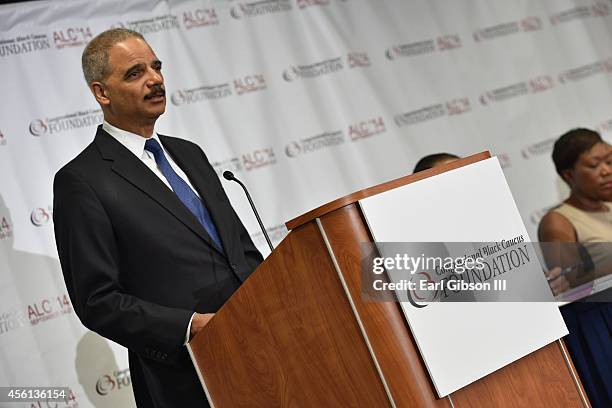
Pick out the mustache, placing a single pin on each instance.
(156, 90)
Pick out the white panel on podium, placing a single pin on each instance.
(462, 342)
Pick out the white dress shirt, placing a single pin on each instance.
(136, 144)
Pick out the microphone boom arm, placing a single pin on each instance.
(228, 175)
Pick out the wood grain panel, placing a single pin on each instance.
(389, 185)
(288, 337)
(384, 322)
(540, 379)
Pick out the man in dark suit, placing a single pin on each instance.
(149, 244)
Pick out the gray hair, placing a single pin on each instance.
(95, 56)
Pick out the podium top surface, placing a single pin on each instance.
(380, 188)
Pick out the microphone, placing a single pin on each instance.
(228, 175)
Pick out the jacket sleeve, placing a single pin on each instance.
(89, 258)
(251, 253)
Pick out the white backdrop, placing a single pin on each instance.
(305, 100)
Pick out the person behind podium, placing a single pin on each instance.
(584, 162)
(149, 244)
(434, 160)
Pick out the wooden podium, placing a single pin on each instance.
(297, 333)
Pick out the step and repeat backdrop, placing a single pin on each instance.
(304, 100)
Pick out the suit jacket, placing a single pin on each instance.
(137, 263)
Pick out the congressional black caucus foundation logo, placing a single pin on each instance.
(238, 86)
(586, 71)
(535, 85)
(41, 216)
(314, 143)
(410, 49)
(151, 25)
(443, 42)
(200, 93)
(531, 23)
(74, 120)
(598, 9)
(72, 37)
(314, 70)
(441, 278)
(200, 17)
(12, 320)
(420, 115)
(24, 44)
(117, 380)
(260, 8)
(418, 297)
(451, 108)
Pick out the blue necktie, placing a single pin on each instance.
(183, 191)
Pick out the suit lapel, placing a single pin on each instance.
(138, 174)
(204, 185)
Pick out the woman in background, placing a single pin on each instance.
(584, 162)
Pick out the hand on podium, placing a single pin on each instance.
(198, 322)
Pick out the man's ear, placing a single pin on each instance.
(100, 93)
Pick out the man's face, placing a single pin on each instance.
(133, 92)
(592, 173)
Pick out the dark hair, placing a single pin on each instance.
(571, 145)
(95, 55)
(431, 160)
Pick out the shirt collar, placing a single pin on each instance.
(133, 142)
